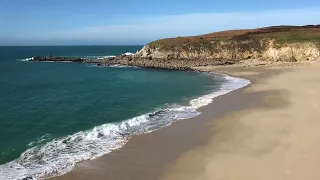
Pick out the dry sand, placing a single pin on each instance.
(277, 140)
(267, 131)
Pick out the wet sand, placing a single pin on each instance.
(224, 142)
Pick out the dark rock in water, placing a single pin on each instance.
(137, 61)
(57, 59)
(28, 178)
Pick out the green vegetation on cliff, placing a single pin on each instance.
(276, 43)
(281, 35)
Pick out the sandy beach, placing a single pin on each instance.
(267, 130)
(277, 139)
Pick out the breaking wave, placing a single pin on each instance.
(59, 156)
(129, 54)
(27, 59)
(96, 57)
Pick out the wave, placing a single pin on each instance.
(40, 140)
(60, 155)
(122, 66)
(27, 59)
(113, 66)
(96, 57)
(129, 54)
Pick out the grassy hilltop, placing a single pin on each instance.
(281, 35)
(272, 43)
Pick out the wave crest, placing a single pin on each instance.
(27, 59)
(129, 54)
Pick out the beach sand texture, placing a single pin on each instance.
(269, 130)
(278, 139)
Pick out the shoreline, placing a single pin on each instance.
(157, 155)
(231, 84)
(210, 95)
(137, 156)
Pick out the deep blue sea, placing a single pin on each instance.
(53, 115)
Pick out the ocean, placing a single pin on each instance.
(54, 115)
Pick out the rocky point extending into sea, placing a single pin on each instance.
(137, 61)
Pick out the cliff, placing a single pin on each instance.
(277, 43)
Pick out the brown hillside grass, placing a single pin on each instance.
(281, 35)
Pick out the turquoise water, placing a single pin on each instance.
(53, 115)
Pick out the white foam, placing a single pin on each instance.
(66, 61)
(231, 84)
(113, 66)
(129, 54)
(40, 140)
(104, 57)
(27, 59)
(121, 66)
(97, 57)
(60, 155)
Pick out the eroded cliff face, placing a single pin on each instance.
(235, 50)
(292, 52)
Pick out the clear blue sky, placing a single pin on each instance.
(68, 22)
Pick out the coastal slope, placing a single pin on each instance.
(276, 43)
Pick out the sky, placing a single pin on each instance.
(127, 22)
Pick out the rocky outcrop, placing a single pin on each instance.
(130, 60)
(292, 52)
(160, 63)
(57, 59)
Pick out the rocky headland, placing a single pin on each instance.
(271, 44)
